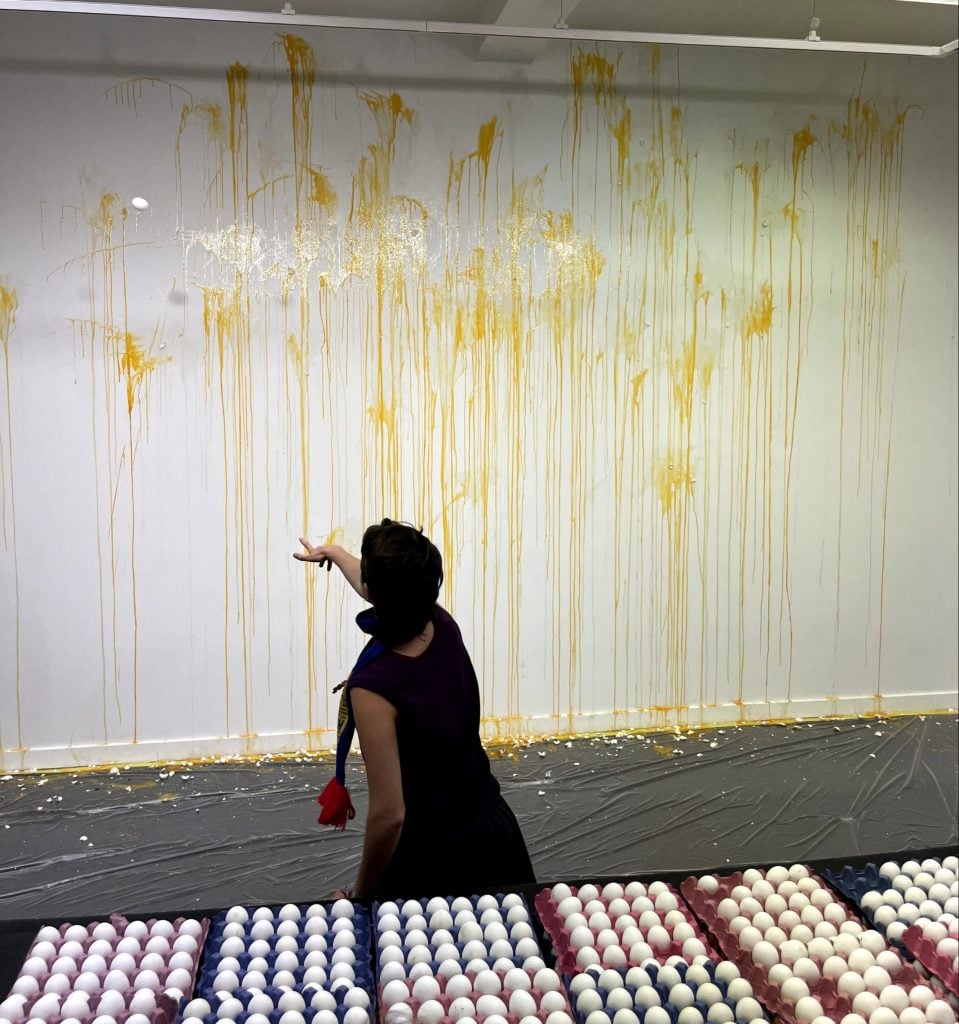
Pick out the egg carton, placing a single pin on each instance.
(435, 968)
(463, 953)
(853, 884)
(486, 928)
(307, 1005)
(717, 998)
(541, 990)
(70, 962)
(503, 904)
(924, 950)
(857, 884)
(554, 922)
(834, 1003)
(295, 942)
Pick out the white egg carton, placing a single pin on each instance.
(487, 996)
(804, 952)
(703, 992)
(259, 949)
(619, 926)
(416, 937)
(109, 972)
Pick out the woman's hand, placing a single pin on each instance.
(322, 554)
(341, 894)
(330, 555)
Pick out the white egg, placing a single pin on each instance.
(86, 981)
(58, 984)
(569, 905)
(749, 1009)
(146, 979)
(46, 1007)
(226, 981)
(77, 1004)
(737, 989)
(144, 1000)
(287, 960)
(398, 991)
(317, 926)
(552, 1001)
(850, 983)
(292, 1017)
(430, 1012)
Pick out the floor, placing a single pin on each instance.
(148, 839)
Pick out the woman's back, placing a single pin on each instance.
(446, 771)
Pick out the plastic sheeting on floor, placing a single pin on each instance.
(142, 839)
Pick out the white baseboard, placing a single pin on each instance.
(718, 715)
(321, 743)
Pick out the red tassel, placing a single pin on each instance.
(336, 805)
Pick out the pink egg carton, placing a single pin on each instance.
(165, 1011)
(924, 950)
(512, 1018)
(835, 1004)
(555, 926)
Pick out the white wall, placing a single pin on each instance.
(665, 362)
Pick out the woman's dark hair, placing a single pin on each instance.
(403, 572)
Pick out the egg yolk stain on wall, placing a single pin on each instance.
(531, 364)
(8, 316)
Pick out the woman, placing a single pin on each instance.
(437, 822)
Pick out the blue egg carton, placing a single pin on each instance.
(854, 883)
(274, 1017)
(361, 920)
(362, 967)
(661, 990)
(363, 978)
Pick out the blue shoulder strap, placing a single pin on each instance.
(345, 722)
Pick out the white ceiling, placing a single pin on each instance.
(903, 22)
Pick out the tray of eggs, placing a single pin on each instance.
(417, 937)
(116, 971)
(936, 947)
(916, 906)
(804, 952)
(893, 897)
(703, 992)
(263, 949)
(485, 994)
(618, 926)
(308, 1004)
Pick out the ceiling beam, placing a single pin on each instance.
(456, 28)
(536, 13)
